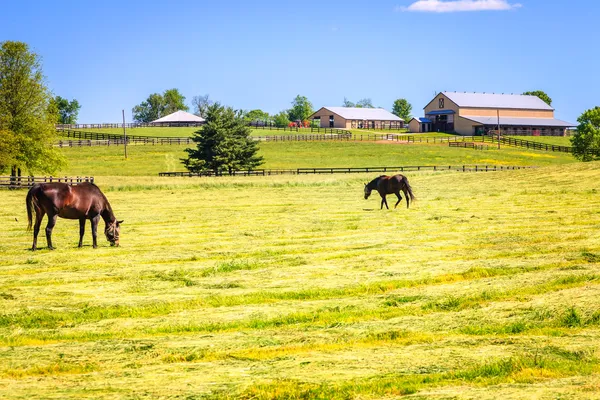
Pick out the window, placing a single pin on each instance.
(441, 102)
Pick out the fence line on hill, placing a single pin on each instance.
(329, 135)
(24, 182)
(351, 170)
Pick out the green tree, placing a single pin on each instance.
(149, 110)
(541, 94)
(174, 101)
(67, 111)
(364, 103)
(402, 108)
(586, 141)
(348, 103)
(257, 115)
(301, 109)
(201, 104)
(223, 144)
(281, 120)
(26, 119)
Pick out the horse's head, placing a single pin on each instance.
(367, 191)
(112, 232)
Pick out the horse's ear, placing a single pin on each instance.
(120, 222)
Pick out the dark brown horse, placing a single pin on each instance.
(390, 184)
(83, 201)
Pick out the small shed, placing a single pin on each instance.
(179, 118)
(418, 125)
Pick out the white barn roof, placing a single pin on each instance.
(495, 100)
(357, 113)
(179, 116)
(514, 121)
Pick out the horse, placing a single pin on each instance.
(82, 201)
(390, 184)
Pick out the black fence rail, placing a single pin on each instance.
(128, 125)
(24, 182)
(351, 170)
(130, 141)
(469, 145)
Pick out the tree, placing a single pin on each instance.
(201, 104)
(281, 120)
(157, 106)
(402, 108)
(223, 144)
(301, 109)
(67, 110)
(364, 103)
(348, 103)
(27, 131)
(541, 94)
(151, 109)
(257, 115)
(586, 141)
(174, 101)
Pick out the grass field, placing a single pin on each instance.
(296, 287)
(150, 160)
(555, 140)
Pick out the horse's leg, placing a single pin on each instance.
(49, 227)
(399, 199)
(407, 196)
(39, 216)
(95, 221)
(81, 231)
(384, 201)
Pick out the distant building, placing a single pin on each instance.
(179, 118)
(356, 118)
(477, 113)
(417, 125)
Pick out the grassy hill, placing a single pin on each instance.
(297, 287)
(150, 160)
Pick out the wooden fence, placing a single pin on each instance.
(337, 170)
(115, 142)
(469, 145)
(24, 182)
(129, 125)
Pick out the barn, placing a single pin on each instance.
(179, 118)
(356, 118)
(478, 113)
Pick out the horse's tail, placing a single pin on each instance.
(407, 191)
(31, 203)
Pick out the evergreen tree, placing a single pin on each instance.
(27, 131)
(223, 144)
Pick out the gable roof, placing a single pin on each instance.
(421, 120)
(179, 116)
(375, 114)
(495, 100)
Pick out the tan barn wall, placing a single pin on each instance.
(338, 121)
(434, 104)
(464, 127)
(492, 112)
(414, 126)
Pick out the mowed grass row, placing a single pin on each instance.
(150, 160)
(297, 286)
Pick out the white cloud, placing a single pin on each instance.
(439, 6)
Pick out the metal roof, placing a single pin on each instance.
(495, 100)
(441, 112)
(520, 121)
(422, 120)
(180, 116)
(374, 114)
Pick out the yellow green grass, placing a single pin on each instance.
(297, 287)
(146, 160)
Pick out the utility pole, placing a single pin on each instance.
(124, 134)
(498, 111)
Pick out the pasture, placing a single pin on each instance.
(289, 287)
(147, 160)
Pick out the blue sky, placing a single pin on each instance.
(110, 55)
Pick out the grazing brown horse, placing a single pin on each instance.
(390, 184)
(83, 201)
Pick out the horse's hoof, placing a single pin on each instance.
(51, 248)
